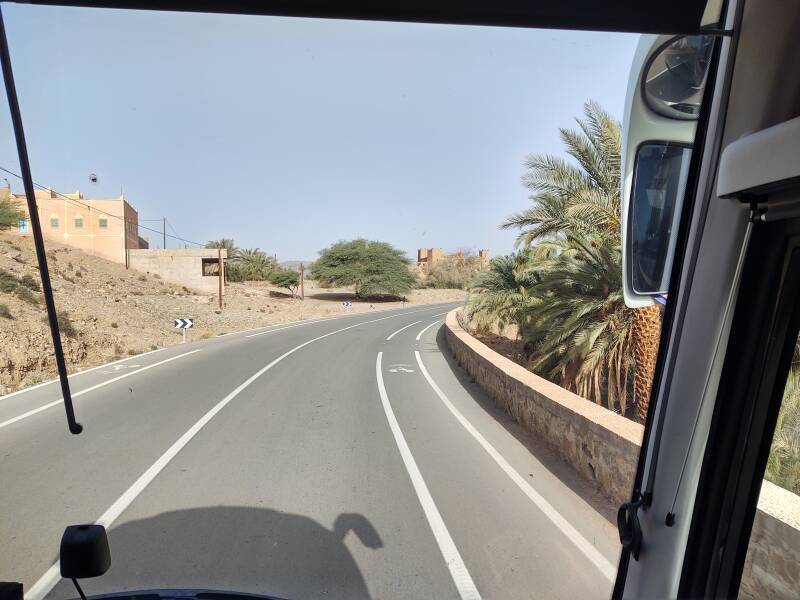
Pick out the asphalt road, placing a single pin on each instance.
(314, 460)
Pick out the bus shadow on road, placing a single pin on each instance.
(590, 493)
(235, 548)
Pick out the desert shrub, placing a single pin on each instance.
(142, 278)
(65, 325)
(30, 282)
(114, 325)
(5, 313)
(8, 283)
(26, 295)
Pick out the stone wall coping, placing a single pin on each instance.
(779, 503)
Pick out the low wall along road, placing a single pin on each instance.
(604, 447)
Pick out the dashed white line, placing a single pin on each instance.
(458, 570)
(585, 547)
(401, 329)
(44, 407)
(419, 335)
(52, 576)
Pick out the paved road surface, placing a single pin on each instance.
(315, 460)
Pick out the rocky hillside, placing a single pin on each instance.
(109, 312)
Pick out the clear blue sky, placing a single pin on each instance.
(290, 134)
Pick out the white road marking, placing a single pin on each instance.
(51, 381)
(51, 577)
(278, 329)
(458, 570)
(44, 407)
(419, 335)
(118, 368)
(321, 319)
(401, 329)
(588, 550)
(400, 368)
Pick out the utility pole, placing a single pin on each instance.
(302, 277)
(164, 231)
(221, 275)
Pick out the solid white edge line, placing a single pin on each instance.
(585, 547)
(458, 570)
(419, 335)
(277, 329)
(51, 577)
(401, 329)
(71, 375)
(44, 407)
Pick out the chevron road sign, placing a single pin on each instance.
(184, 323)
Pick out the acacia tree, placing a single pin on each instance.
(371, 268)
(10, 214)
(286, 278)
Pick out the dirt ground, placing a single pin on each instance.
(116, 312)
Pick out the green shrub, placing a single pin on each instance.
(10, 214)
(65, 324)
(30, 282)
(8, 283)
(783, 466)
(26, 295)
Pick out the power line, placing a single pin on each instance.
(93, 208)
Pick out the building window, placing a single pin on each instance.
(210, 267)
(53, 222)
(23, 225)
(78, 222)
(103, 223)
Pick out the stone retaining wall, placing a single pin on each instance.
(604, 447)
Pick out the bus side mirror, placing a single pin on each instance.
(656, 201)
(665, 92)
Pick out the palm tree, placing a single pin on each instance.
(586, 335)
(225, 244)
(255, 264)
(501, 295)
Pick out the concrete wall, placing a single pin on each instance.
(604, 447)
(183, 267)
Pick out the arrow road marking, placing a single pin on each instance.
(400, 369)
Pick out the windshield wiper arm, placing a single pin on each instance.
(27, 180)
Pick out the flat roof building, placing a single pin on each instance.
(102, 227)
